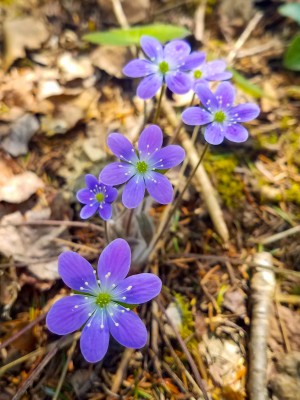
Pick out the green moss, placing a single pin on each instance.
(184, 305)
(228, 184)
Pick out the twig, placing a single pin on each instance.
(177, 360)
(279, 236)
(207, 190)
(75, 224)
(65, 369)
(262, 293)
(118, 378)
(186, 352)
(22, 331)
(53, 349)
(244, 36)
(119, 14)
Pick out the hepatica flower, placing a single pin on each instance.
(162, 66)
(219, 116)
(101, 303)
(204, 72)
(96, 197)
(142, 169)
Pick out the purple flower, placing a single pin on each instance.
(204, 72)
(163, 66)
(97, 197)
(220, 117)
(102, 306)
(142, 169)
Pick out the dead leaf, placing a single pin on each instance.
(21, 132)
(32, 245)
(111, 59)
(21, 34)
(18, 188)
(75, 67)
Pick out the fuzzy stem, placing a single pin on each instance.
(106, 232)
(162, 91)
(165, 221)
(179, 127)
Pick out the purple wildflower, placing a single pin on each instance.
(102, 305)
(142, 169)
(163, 66)
(220, 117)
(97, 197)
(204, 72)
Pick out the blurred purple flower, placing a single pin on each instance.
(97, 197)
(163, 66)
(142, 170)
(220, 117)
(102, 305)
(204, 72)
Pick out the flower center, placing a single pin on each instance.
(103, 299)
(164, 67)
(220, 116)
(99, 197)
(197, 74)
(141, 167)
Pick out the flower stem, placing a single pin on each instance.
(179, 127)
(106, 232)
(162, 91)
(165, 221)
(128, 225)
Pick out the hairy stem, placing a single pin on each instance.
(165, 221)
(162, 91)
(179, 127)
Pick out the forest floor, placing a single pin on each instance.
(59, 98)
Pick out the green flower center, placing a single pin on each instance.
(164, 67)
(197, 74)
(141, 167)
(99, 197)
(220, 116)
(103, 299)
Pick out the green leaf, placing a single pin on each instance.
(291, 59)
(246, 85)
(132, 36)
(291, 10)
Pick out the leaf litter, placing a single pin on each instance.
(59, 99)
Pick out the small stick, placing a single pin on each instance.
(207, 190)
(279, 236)
(22, 331)
(118, 378)
(262, 293)
(187, 353)
(65, 369)
(76, 224)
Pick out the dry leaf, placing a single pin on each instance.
(111, 59)
(75, 67)
(21, 132)
(21, 34)
(18, 188)
(32, 245)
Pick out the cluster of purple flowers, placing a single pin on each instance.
(173, 65)
(102, 300)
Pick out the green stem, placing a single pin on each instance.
(179, 127)
(162, 91)
(165, 221)
(106, 232)
(131, 212)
